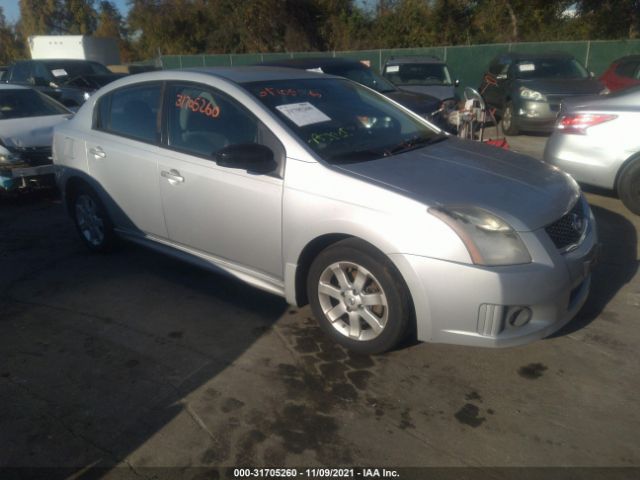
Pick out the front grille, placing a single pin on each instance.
(35, 156)
(568, 230)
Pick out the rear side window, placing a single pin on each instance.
(627, 69)
(20, 72)
(131, 112)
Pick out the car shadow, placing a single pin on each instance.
(101, 351)
(617, 266)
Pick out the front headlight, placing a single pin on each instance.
(8, 158)
(534, 96)
(490, 240)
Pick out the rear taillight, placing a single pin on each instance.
(579, 122)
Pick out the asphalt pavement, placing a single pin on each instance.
(113, 364)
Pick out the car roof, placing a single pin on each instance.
(414, 59)
(9, 86)
(314, 62)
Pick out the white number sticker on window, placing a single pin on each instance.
(59, 72)
(302, 113)
(526, 67)
(393, 68)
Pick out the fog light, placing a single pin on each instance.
(519, 316)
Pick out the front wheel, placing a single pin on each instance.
(92, 222)
(629, 187)
(509, 123)
(359, 298)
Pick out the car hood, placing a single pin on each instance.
(441, 92)
(29, 131)
(573, 86)
(525, 192)
(417, 102)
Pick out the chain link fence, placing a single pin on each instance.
(466, 62)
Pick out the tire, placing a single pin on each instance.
(342, 279)
(629, 187)
(92, 221)
(509, 123)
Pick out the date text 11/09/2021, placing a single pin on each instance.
(315, 473)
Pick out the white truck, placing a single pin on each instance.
(83, 47)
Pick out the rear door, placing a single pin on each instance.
(226, 212)
(122, 152)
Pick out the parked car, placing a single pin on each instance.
(27, 118)
(526, 89)
(622, 73)
(423, 74)
(596, 141)
(70, 82)
(317, 189)
(424, 105)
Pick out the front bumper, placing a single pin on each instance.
(469, 304)
(536, 116)
(24, 176)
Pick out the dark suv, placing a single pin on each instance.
(526, 89)
(68, 81)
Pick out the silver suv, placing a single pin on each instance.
(323, 191)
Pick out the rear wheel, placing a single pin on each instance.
(629, 187)
(92, 222)
(509, 122)
(359, 298)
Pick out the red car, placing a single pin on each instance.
(622, 73)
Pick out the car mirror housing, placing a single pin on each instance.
(252, 157)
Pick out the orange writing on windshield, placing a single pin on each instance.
(288, 92)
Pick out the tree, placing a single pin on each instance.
(79, 17)
(40, 17)
(10, 47)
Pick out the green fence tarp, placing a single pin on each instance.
(466, 62)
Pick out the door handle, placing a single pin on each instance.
(173, 176)
(98, 152)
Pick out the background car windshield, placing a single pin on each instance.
(69, 70)
(362, 75)
(21, 103)
(418, 74)
(550, 68)
(340, 120)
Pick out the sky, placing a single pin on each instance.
(12, 11)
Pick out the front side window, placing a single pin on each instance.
(21, 103)
(201, 120)
(342, 121)
(131, 112)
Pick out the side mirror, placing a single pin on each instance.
(252, 157)
(456, 83)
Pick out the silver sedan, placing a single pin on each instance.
(325, 192)
(596, 141)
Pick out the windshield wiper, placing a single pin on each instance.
(415, 142)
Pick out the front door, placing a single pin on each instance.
(226, 212)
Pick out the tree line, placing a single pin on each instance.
(153, 27)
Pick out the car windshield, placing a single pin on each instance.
(550, 68)
(342, 121)
(63, 71)
(418, 74)
(363, 75)
(21, 103)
